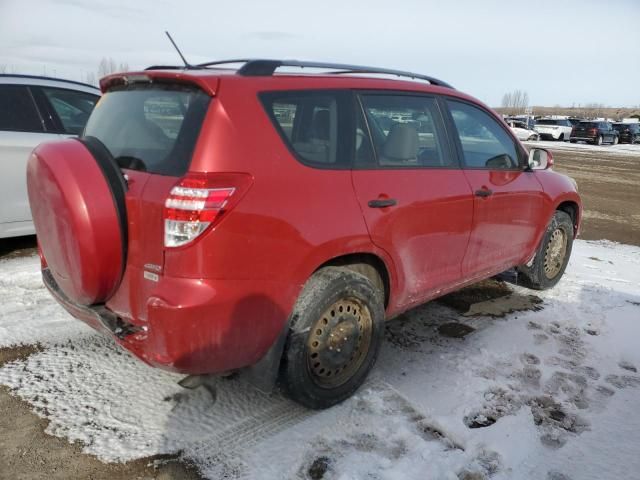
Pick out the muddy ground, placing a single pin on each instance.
(610, 188)
(609, 185)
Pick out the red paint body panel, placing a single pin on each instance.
(506, 223)
(220, 302)
(433, 215)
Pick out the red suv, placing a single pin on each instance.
(216, 220)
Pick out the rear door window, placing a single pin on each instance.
(406, 131)
(152, 128)
(18, 111)
(314, 124)
(484, 142)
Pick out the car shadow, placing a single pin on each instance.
(16, 247)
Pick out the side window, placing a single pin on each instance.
(485, 144)
(72, 107)
(17, 111)
(314, 124)
(406, 131)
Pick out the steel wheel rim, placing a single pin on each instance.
(554, 253)
(338, 342)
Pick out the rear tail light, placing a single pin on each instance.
(593, 130)
(198, 202)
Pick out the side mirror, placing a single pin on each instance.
(540, 159)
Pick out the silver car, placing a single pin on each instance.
(33, 110)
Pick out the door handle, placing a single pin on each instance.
(382, 203)
(484, 192)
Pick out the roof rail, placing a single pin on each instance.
(41, 77)
(264, 67)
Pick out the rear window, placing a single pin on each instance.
(589, 124)
(151, 128)
(547, 122)
(625, 126)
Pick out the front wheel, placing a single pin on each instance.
(615, 140)
(336, 332)
(552, 256)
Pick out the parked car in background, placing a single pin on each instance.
(553, 129)
(628, 132)
(594, 132)
(33, 110)
(208, 232)
(521, 131)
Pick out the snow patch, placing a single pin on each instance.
(540, 394)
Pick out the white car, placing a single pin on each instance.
(521, 131)
(33, 110)
(553, 129)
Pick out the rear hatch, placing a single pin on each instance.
(151, 130)
(585, 129)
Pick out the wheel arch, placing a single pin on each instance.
(572, 209)
(367, 264)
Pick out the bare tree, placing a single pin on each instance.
(108, 65)
(515, 102)
(91, 79)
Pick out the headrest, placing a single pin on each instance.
(401, 143)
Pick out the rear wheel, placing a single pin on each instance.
(598, 140)
(336, 331)
(573, 141)
(561, 137)
(615, 140)
(552, 256)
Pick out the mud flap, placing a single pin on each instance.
(263, 375)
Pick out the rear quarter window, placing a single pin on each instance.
(152, 128)
(314, 124)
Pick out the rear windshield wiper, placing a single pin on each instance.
(131, 163)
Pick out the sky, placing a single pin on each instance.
(560, 52)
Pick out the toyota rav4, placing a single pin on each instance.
(263, 221)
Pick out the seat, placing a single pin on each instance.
(317, 148)
(401, 146)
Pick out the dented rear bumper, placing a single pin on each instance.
(191, 326)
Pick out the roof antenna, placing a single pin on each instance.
(186, 64)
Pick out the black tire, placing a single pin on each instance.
(573, 141)
(539, 275)
(315, 324)
(561, 137)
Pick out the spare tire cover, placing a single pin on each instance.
(78, 206)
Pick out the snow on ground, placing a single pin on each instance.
(619, 149)
(549, 394)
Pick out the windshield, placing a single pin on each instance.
(150, 127)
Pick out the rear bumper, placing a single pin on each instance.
(193, 326)
(584, 138)
(627, 138)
